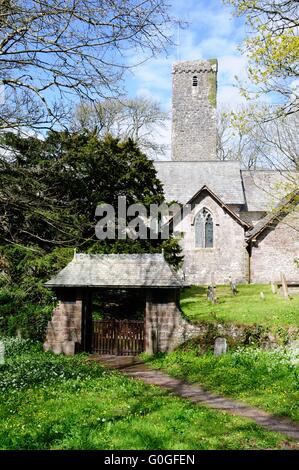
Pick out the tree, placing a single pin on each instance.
(49, 193)
(53, 51)
(259, 143)
(235, 140)
(278, 142)
(139, 119)
(272, 47)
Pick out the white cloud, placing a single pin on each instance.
(231, 66)
(229, 94)
(164, 138)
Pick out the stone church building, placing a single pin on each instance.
(238, 227)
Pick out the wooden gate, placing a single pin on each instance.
(118, 337)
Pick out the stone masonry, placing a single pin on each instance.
(228, 259)
(194, 110)
(165, 326)
(276, 250)
(64, 329)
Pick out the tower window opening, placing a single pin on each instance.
(195, 81)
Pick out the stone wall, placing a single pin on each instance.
(165, 326)
(228, 257)
(64, 329)
(194, 111)
(275, 251)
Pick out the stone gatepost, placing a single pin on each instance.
(64, 331)
(165, 327)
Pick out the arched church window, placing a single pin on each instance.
(204, 229)
(195, 81)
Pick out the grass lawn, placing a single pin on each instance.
(246, 307)
(268, 379)
(55, 402)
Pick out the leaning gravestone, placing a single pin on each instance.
(233, 287)
(220, 346)
(284, 286)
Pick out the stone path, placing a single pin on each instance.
(138, 370)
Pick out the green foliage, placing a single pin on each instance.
(212, 96)
(25, 304)
(269, 379)
(18, 346)
(51, 201)
(272, 47)
(56, 402)
(244, 308)
(39, 369)
(172, 252)
(29, 321)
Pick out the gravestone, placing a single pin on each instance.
(262, 296)
(220, 346)
(211, 295)
(233, 287)
(284, 286)
(2, 352)
(273, 288)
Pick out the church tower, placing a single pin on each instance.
(194, 110)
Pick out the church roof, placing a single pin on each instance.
(256, 190)
(205, 189)
(263, 189)
(116, 271)
(286, 205)
(182, 180)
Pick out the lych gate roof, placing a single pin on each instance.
(118, 271)
(182, 180)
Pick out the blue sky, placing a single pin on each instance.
(212, 32)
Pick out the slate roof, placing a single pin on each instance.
(118, 271)
(263, 188)
(257, 191)
(182, 180)
(285, 206)
(205, 189)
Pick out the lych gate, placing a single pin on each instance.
(116, 304)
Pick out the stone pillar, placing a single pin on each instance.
(165, 326)
(64, 331)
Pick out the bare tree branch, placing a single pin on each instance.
(59, 50)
